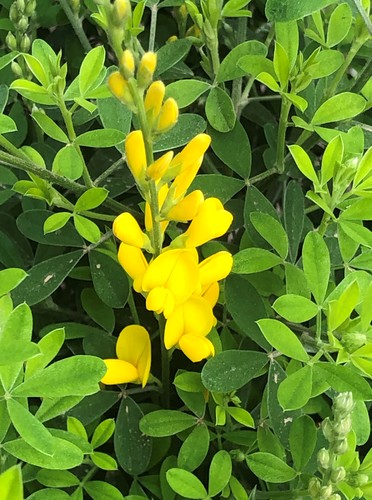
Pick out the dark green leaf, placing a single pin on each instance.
(194, 449)
(166, 423)
(288, 10)
(219, 186)
(185, 92)
(270, 468)
(187, 127)
(302, 440)
(102, 138)
(316, 264)
(220, 110)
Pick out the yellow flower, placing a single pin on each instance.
(122, 10)
(134, 263)
(119, 87)
(190, 154)
(146, 69)
(187, 208)
(154, 100)
(215, 268)
(188, 325)
(168, 116)
(133, 349)
(184, 180)
(211, 222)
(136, 155)
(157, 169)
(170, 279)
(127, 230)
(128, 64)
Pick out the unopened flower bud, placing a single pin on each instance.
(172, 38)
(238, 455)
(119, 87)
(14, 14)
(157, 169)
(343, 428)
(16, 68)
(122, 10)
(22, 24)
(323, 458)
(75, 5)
(314, 487)
(21, 5)
(168, 116)
(361, 479)
(11, 41)
(341, 447)
(154, 100)
(25, 43)
(335, 496)
(325, 492)
(30, 8)
(128, 64)
(338, 474)
(146, 69)
(327, 429)
(343, 403)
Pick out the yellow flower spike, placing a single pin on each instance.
(196, 348)
(136, 155)
(187, 208)
(154, 99)
(177, 272)
(215, 268)
(191, 154)
(128, 64)
(157, 169)
(168, 116)
(146, 69)
(134, 263)
(127, 230)
(193, 317)
(162, 194)
(119, 87)
(133, 349)
(211, 222)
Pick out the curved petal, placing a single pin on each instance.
(211, 292)
(187, 208)
(215, 268)
(174, 328)
(196, 348)
(134, 263)
(119, 372)
(127, 230)
(136, 154)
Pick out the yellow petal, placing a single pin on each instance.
(154, 99)
(160, 299)
(211, 292)
(127, 230)
(119, 372)
(134, 346)
(119, 87)
(146, 69)
(168, 116)
(157, 169)
(134, 262)
(193, 151)
(127, 63)
(183, 181)
(211, 222)
(187, 208)
(162, 194)
(215, 268)
(176, 270)
(196, 348)
(136, 154)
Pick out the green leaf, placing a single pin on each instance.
(293, 217)
(361, 424)
(45, 494)
(68, 163)
(341, 309)
(66, 455)
(100, 138)
(281, 65)
(327, 62)
(10, 279)
(219, 472)
(103, 432)
(295, 391)
(229, 68)
(102, 314)
(132, 447)
(295, 308)
(185, 92)
(245, 306)
(104, 461)
(92, 198)
(219, 186)
(170, 54)
(254, 260)
(91, 68)
(194, 449)
(49, 347)
(339, 107)
(270, 468)
(49, 127)
(11, 484)
(302, 441)
(30, 90)
(339, 24)
(234, 149)
(30, 429)
(56, 222)
(240, 415)
(359, 210)
(364, 167)
(44, 278)
(115, 115)
(7, 124)
(237, 489)
(316, 264)
(75, 376)
(76, 427)
(255, 65)
(100, 490)
(8, 58)
(344, 378)
(219, 109)
(162, 423)
(304, 163)
(272, 231)
(105, 272)
(187, 127)
(57, 478)
(37, 69)
(268, 80)
(185, 484)
(283, 339)
(332, 158)
(286, 35)
(357, 232)
(287, 10)
(87, 228)
(232, 369)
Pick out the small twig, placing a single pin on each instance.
(76, 25)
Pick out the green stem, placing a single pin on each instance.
(154, 16)
(364, 15)
(262, 176)
(67, 117)
(354, 49)
(132, 307)
(20, 161)
(76, 25)
(236, 91)
(165, 375)
(112, 168)
(215, 57)
(363, 77)
(244, 97)
(94, 215)
(318, 333)
(323, 224)
(90, 474)
(280, 495)
(283, 119)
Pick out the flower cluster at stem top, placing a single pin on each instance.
(174, 281)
